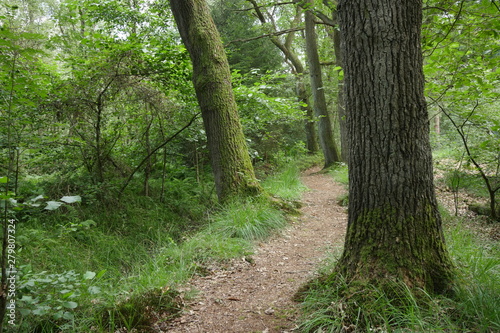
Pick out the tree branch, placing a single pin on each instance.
(457, 17)
(272, 34)
(263, 6)
(125, 184)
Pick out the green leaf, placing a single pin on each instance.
(101, 273)
(37, 198)
(28, 299)
(89, 275)
(24, 312)
(93, 290)
(53, 205)
(3, 180)
(70, 305)
(71, 199)
(68, 315)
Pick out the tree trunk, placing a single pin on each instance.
(311, 141)
(394, 226)
(231, 162)
(325, 131)
(344, 138)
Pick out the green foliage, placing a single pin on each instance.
(463, 90)
(477, 289)
(142, 243)
(467, 180)
(339, 306)
(54, 296)
(246, 57)
(340, 173)
(140, 310)
(272, 124)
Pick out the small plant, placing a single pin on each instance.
(54, 297)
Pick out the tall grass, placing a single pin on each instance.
(478, 287)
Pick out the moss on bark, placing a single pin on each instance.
(230, 160)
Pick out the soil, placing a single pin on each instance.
(256, 294)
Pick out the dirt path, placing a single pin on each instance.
(257, 296)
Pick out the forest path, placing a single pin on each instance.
(257, 297)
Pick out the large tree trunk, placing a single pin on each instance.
(230, 160)
(325, 131)
(394, 227)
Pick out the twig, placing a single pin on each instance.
(125, 184)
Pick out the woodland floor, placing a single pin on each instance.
(256, 295)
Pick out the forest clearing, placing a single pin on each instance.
(249, 166)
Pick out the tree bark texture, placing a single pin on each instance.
(230, 160)
(325, 131)
(394, 226)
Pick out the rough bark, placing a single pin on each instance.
(394, 226)
(325, 131)
(230, 160)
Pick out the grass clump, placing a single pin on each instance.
(478, 287)
(254, 219)
(334, 305)
(286, 184)
(139, 311)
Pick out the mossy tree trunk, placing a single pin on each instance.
(325, 131)
(230, 160)
(394, 227)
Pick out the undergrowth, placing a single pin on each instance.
(111, 265)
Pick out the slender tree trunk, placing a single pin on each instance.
(99, 172)
(148, 167)
(344, 138)
(311, 141)
(231, 162)
(325, 131)
(394, 226)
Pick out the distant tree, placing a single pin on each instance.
(325, 130)
(394, 226)
(230, 160)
